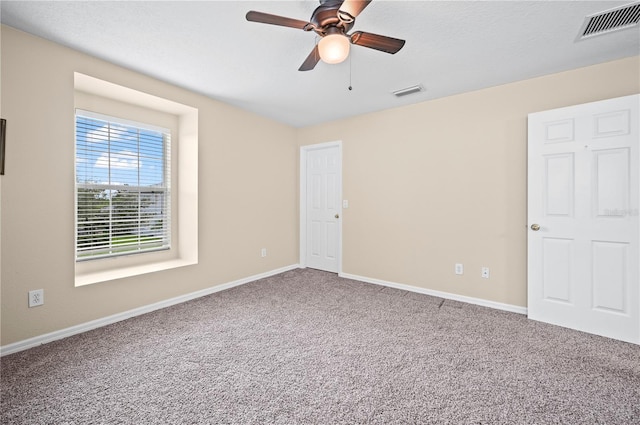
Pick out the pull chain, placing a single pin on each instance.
(350, 56)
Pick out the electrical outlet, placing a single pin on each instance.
(485, 272)
(459, 268)
(36, 297)
(263, 252)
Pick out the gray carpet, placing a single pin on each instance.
(307, 347)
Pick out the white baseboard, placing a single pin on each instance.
(84, 327)
(439, 294)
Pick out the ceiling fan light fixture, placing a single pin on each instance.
(333, 48)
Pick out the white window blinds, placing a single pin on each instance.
(123, 197)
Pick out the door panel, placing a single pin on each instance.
(556, 268)
(559, 131)
(612, 124)
(611, 188)
(332, 232)
(583, 192)
(610, 276)
(559, 177)
(316, 238)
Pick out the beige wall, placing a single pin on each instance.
(429, 185)
(444, 181)
(247, 196)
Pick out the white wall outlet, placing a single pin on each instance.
(459, 268)
(36, 297)
(263, 252)
(345, 203)
(485, 272)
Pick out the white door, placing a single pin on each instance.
(323, 209)
(583, 190)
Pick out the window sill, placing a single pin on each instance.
(124, 272)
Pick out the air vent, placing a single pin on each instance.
(408, 90)
(615, 19)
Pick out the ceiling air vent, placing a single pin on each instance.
(408, 90)
(618, 18)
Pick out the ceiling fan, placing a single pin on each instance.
(332, 20)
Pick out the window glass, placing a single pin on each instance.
(122, 187)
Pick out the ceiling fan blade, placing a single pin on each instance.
(266, 18)
(311, 61)
(378, 42)
(353, 7)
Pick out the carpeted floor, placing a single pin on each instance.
(307, 347)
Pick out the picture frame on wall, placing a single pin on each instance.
(3, 133)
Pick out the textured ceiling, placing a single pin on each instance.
(209, 47)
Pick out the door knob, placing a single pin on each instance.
(535, 227)
(337, 215)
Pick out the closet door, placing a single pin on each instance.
(583, 216)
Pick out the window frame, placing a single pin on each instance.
(135, 248)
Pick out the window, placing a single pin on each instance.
(123, 196)
(180, 179)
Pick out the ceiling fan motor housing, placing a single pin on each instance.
(326, 16)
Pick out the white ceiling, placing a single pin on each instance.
(209, 47)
